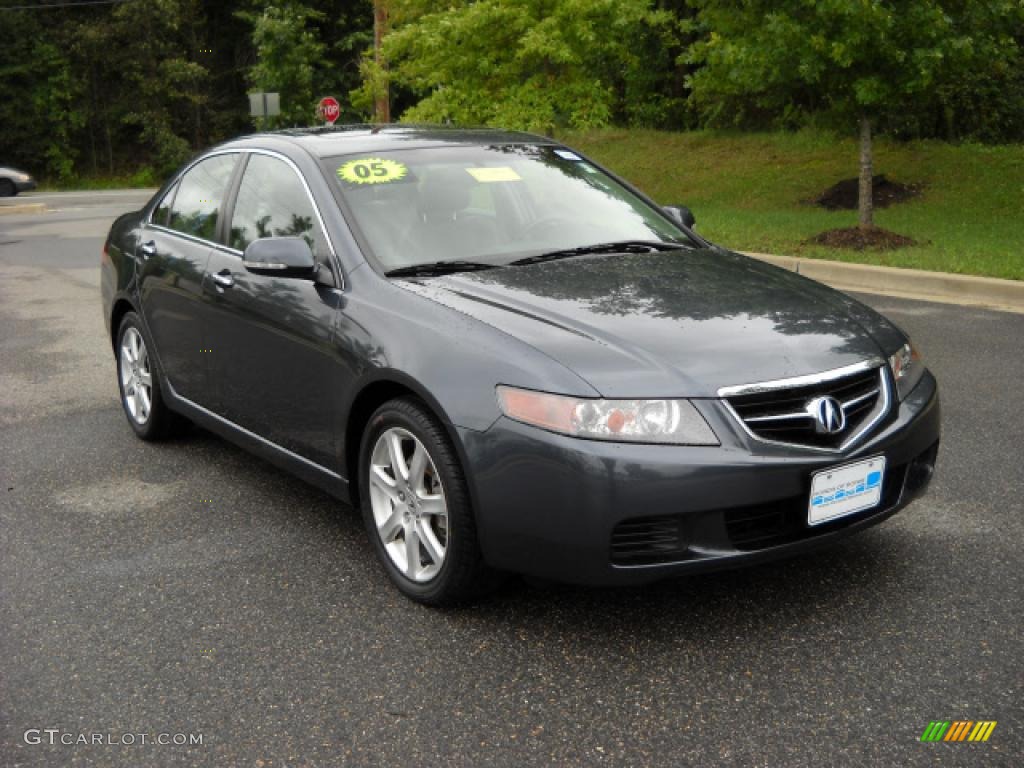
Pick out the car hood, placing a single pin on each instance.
(677, 323)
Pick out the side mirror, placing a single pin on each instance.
(284, 256)
(681, 215)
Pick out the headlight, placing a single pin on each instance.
(673, 422)
(22, 176)
(907, 368)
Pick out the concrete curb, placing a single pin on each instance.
(11, 209)
(989, 292)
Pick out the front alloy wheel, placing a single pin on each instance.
(416, 506)
(408, 504)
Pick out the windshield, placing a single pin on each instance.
(492, 204)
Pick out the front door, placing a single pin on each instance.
(273, 363)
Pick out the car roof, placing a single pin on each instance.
(328, 141)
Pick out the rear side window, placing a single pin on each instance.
(163, 210)
(200, 197)
(272, 202)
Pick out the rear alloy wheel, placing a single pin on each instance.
(139, 383)
(416, 506)
(136, 377)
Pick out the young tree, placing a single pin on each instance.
(382, 97)
(849, 61)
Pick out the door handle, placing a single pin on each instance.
(147, 249)
(223, 279)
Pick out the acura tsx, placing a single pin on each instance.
(509, 359)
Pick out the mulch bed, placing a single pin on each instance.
(843, 196)
(853, 238)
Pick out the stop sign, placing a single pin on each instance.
(328, 109)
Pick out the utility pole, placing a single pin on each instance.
(382, 101)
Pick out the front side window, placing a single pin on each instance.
(200, 197)
(272, 202)
(489, 203)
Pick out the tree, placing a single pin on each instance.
(532, 64)
(288, 49)
(848, 61)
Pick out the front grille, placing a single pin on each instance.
(782, 522)
(644, 541)
(782, 415)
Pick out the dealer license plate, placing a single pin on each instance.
(842, 491)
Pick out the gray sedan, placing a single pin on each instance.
(509, 359)
(13, 181)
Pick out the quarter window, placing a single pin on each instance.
(163, 210)
(200, 197)
(272, 202)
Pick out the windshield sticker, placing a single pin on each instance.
(565, 154)
(372, 170)
(503, 173)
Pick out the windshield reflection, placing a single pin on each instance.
(489, 203)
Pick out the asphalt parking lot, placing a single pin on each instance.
(188, 588)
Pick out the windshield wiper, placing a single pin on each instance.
(434, 268)
(621, 246)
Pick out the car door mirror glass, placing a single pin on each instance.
(284, 256)
(681, 215)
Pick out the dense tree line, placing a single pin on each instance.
(135, 86)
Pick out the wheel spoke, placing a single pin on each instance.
(391, 527)
(379, 479)
(430, 543)
(141, 405)
(396, 456)
(433, 505)
(143, 393)
(135, 344)
(412, 552)
(418, 468)
(145, 378)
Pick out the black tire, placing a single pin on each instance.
(463, 574)
(160, 422)
(7, 188)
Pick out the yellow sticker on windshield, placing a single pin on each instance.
(372, 170)
(502, 173)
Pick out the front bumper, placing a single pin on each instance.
(25, 186)
(592, 512)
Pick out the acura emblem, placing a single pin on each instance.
(828, 415)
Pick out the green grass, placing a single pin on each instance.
(141, 179)
(747, 192)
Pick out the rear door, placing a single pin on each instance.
(273, 363)
(172, 259)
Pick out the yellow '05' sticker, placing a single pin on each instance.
(372, 170)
